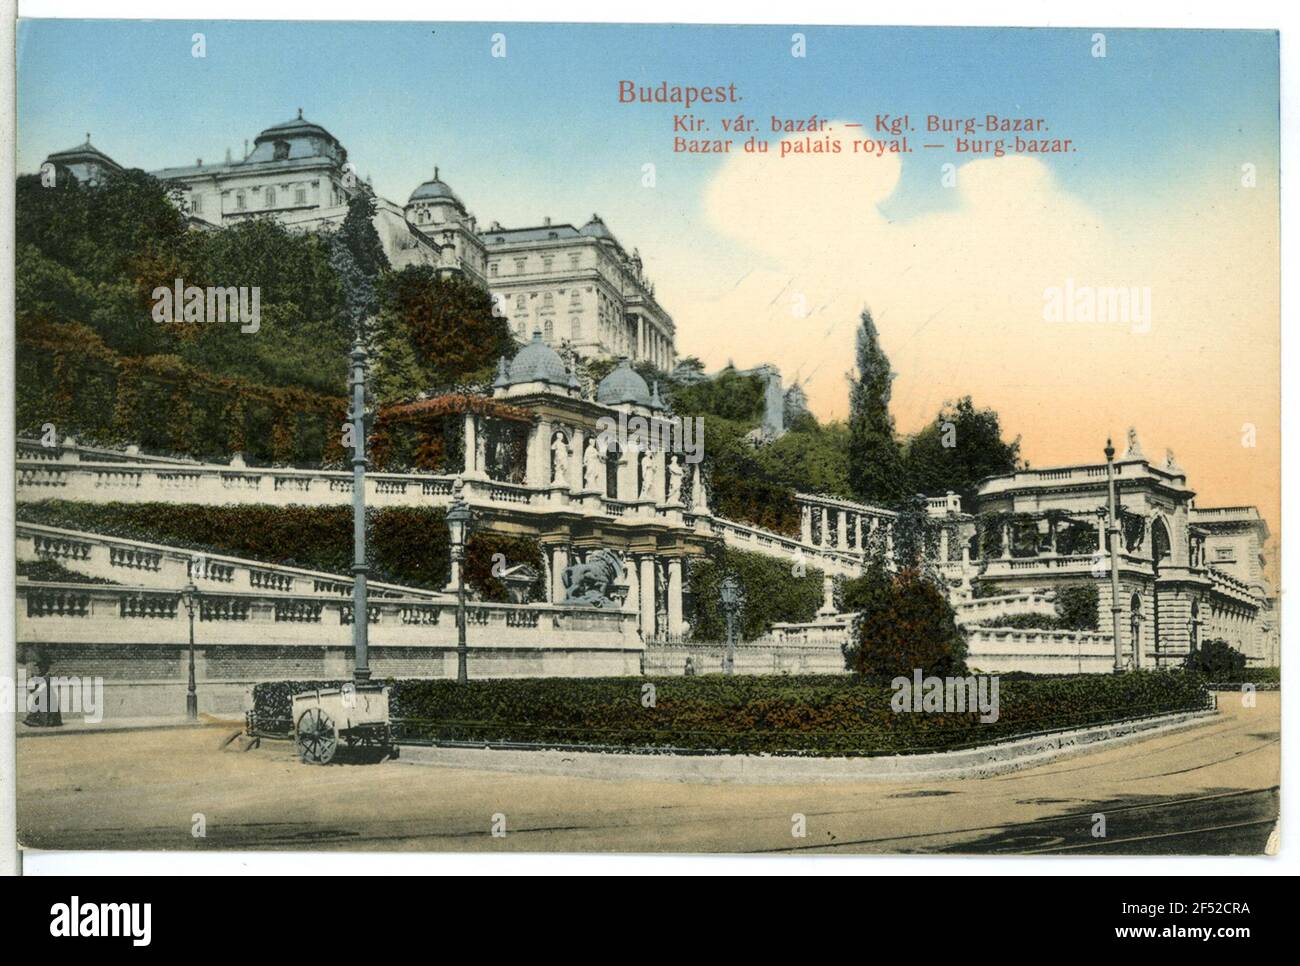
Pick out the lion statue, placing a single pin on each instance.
(591, 583)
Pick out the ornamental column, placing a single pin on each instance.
(471, 445)
(538, 470)
(675, 596)
(805, 523)
(841, 529)
(633, 600)
(559, 561)
(647, 596)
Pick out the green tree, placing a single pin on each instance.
(875, 463)
(1217, 660)
(961, 447)
(908, 626)
(454, 337)
(810, 457)
(358, 259)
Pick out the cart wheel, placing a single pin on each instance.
(317, 740)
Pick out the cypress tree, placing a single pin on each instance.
(875, 460)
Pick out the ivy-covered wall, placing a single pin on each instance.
(407, 545)
(772, 594)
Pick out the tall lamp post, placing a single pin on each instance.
(729, 591)
(1112, 539)
(360, 608)
(458, 518)
(188, 596)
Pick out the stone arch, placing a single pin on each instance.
(1161, 539)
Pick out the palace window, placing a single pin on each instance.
(547, 263)
(281, 150)
(300, 196)
(550, 330)
(519, 303)
(575, 329)
(492, 269)
(241, 202)
(519, 265)
(270, 197)
(196, 204)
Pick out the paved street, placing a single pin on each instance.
(1209, 790)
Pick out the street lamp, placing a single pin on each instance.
(189, 596)
(729, 591)
(458, 518)
(1112, 533)
(360, 607)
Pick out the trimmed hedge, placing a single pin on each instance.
(799, 715)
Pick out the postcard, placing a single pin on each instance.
(646, 438)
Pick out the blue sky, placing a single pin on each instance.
(542, 125)
(1152, 197)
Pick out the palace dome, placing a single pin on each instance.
(623, 385)
(296, 139)
(538, 362)
(595, 228)
(295, 127)
(434, 190)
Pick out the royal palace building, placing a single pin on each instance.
(578, 286)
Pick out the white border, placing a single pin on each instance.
(1107, 13)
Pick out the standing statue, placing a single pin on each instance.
(1134, 447)
(559, 460)
(675, 475)
(648, 476)
(593, 465)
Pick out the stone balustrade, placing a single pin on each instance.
(67, 613)
(763, 656)
(975, 610)
(121, 560)
(217, 484)
(136, 639)
(1000, 650)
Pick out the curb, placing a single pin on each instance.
(980, 762)
(29, 732)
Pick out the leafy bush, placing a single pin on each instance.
(904, 622)
(1077, 607)
(801, 715)
(1076, 610)
(1218, 661)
